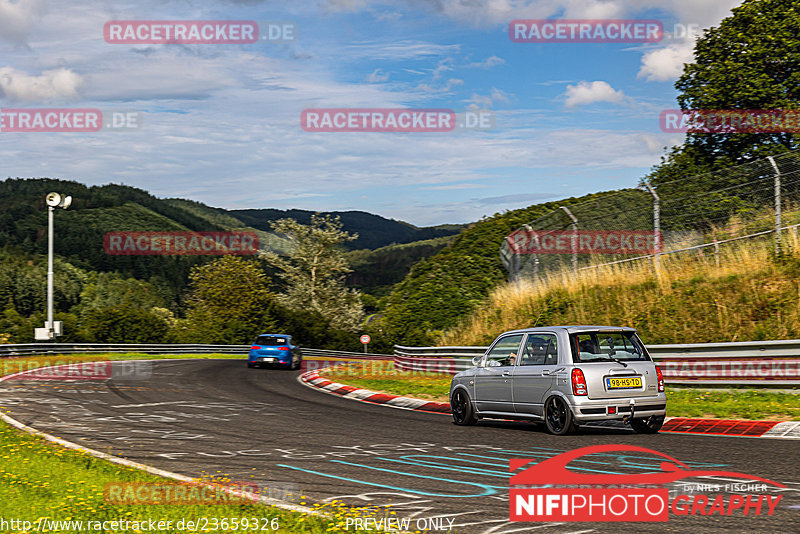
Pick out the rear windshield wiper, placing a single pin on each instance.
(618, 361)
(603, 359)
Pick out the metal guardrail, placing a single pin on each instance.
(743, 363)
(35, 349)
(324, 353)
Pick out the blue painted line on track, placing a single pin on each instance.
(488, 490)
(456, 463)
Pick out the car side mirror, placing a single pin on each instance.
(476, 361)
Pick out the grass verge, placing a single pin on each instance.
(681, 402)
(41, 482)
(747, 295)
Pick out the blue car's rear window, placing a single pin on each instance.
(271, 341)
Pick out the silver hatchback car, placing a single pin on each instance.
(563, 376)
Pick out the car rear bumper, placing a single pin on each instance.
(609, 410)
(279, 360)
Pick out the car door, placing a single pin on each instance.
(534, 375)
(493, 385)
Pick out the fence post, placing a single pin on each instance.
(777, 205)
(574, 239)
(656, 226)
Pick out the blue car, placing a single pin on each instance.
(274, 350)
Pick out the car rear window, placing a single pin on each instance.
(271, 341)
(603, 346)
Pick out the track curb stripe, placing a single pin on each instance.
(733, 427)
(313, 380)
(672, 425)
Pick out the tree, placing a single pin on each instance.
(750, 61)
(229, 302)
(125, 325)
(314, 270)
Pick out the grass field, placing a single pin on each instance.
(744, 294)
(40, 481)
(681, 402)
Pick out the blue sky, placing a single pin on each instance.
(221, 123)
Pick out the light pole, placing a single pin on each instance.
(51, 330)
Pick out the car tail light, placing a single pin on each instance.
(255, 347)
(578, 383)
(660, 376)
(283, 348)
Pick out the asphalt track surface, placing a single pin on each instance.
(203, 417)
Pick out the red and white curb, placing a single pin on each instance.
(672, 425)
(733, 427)
(313, 380)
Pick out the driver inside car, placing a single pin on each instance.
(588, 346)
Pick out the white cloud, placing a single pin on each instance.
(397, 50)
(454, 187)
(477, 101)
(666, 63)
(17, 18)
(487, 63)
(590, 92)
(487, 13)
(704, 13)
(449, 86)
(55, 84)
(500, 96)
(376, 76)
(445, 65)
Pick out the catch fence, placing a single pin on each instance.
(755, 200)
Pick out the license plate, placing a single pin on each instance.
(267, 359)
(634, 382)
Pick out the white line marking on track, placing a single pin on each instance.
(145, 405)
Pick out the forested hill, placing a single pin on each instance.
(373, 230)
(96, 210)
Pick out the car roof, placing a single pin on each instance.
(572, 329)
(274, 335)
